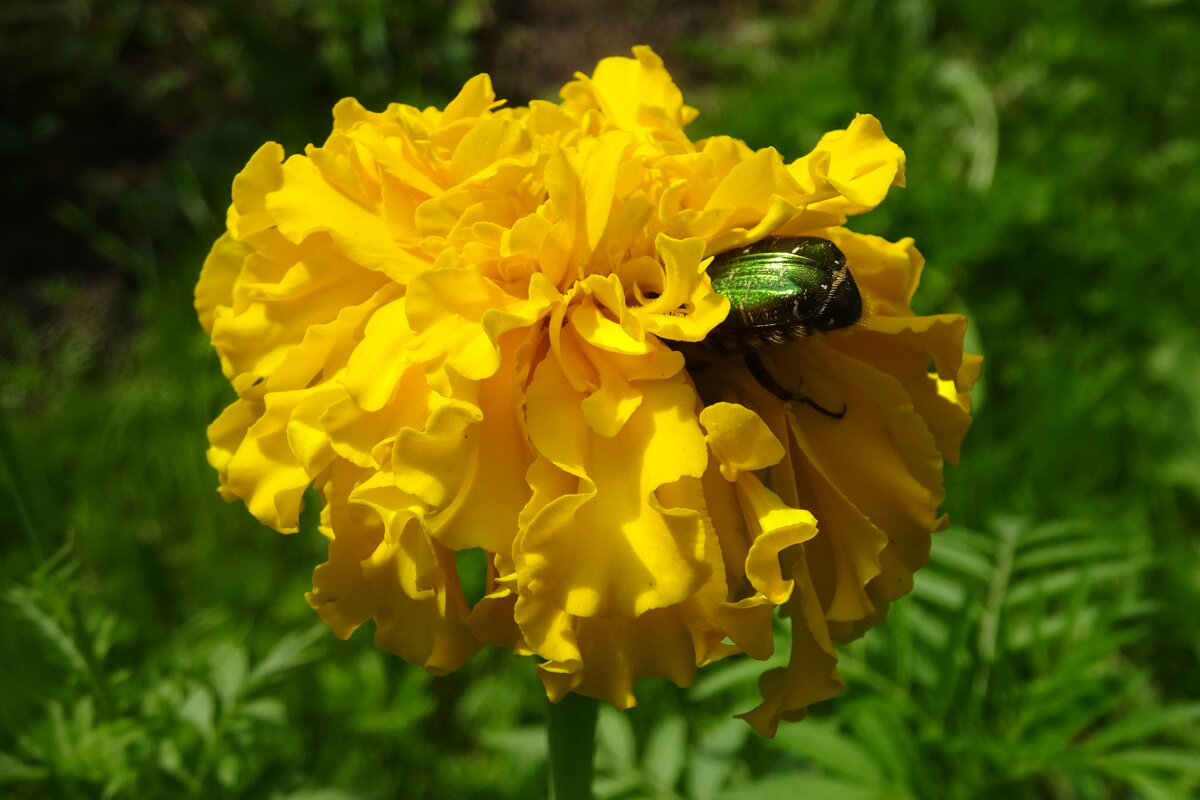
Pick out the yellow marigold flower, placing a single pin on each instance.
(454, 324)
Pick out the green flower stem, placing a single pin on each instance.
(571, 726)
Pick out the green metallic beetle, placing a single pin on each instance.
(780, 289)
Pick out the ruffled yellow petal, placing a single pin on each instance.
(811, 674)
(458, 316)
(376, 366)
(742, 442)
(850, 171)
(632, 93)
(467, 465)
(780, 527)
(609, 547)
(606, 656)
(277, 305)
(739, 439)
(618, 651)
(308, 203)
(751, 184)
(877, 478)
(264, 471)
(475, 99)
(905, 348)
(217, 278)
(261, 176)
(686, 307)
(383, 567)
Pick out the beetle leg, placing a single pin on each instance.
(760, 372)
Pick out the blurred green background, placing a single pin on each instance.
(155, 641)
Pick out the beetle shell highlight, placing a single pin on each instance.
(780, 289)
